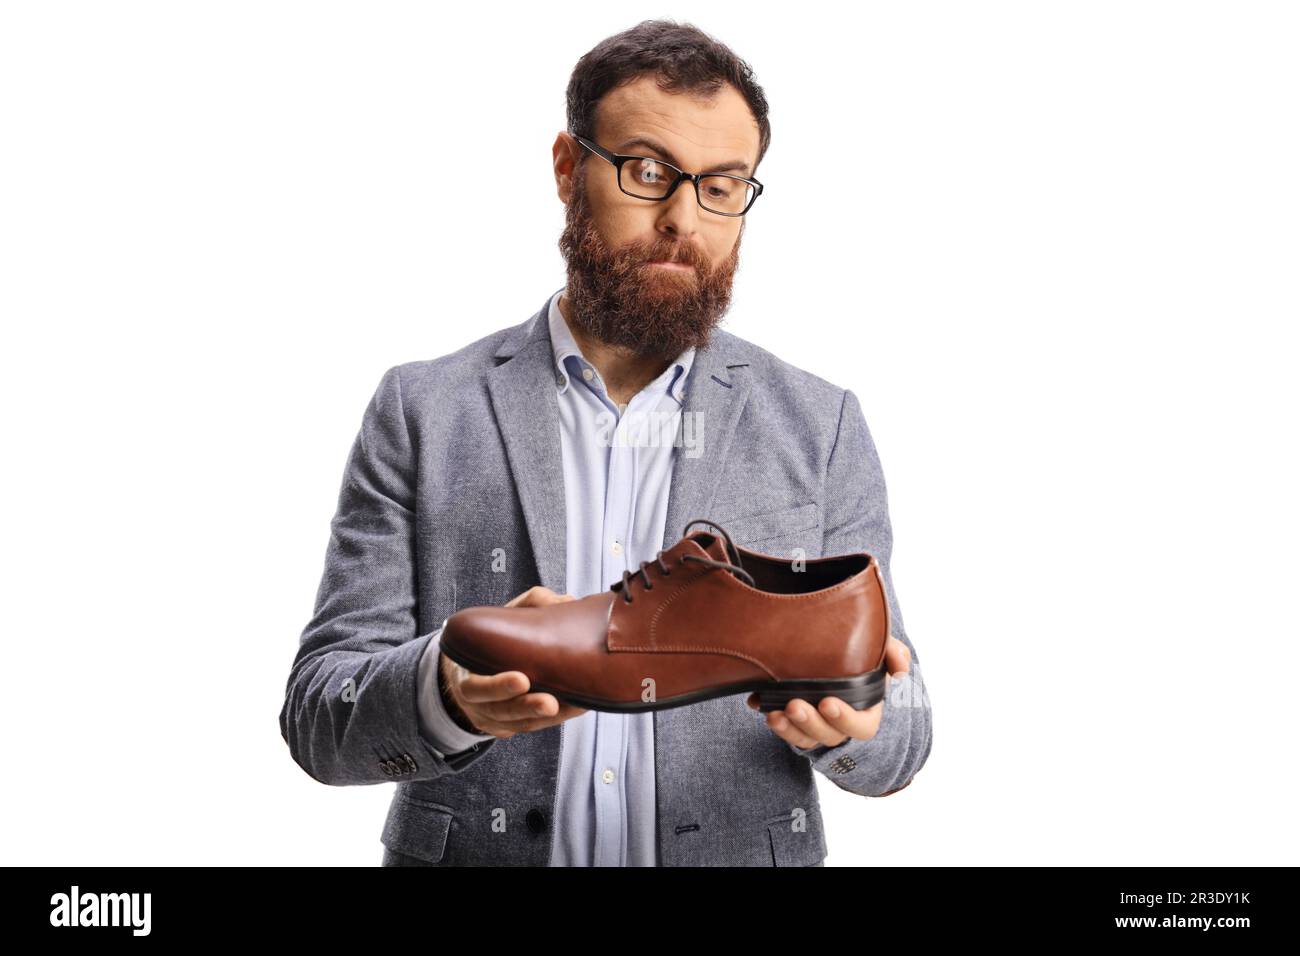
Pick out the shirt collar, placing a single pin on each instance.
(569, 357)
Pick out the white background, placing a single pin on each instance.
(1057, 262)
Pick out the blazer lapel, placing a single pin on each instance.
(716, 392)
(522, 388)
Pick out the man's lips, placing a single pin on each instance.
(679, 266)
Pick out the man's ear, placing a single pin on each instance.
(566, 155)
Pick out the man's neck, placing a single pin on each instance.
(623, 371)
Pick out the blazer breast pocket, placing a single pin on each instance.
(783, 528)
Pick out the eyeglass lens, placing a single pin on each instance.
(650, 180)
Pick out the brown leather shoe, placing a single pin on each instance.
(703, 619)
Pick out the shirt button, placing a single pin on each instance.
(616, 548)
(588, 374)
(559, 379)
(607, 776)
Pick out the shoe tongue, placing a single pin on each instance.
(717, 548)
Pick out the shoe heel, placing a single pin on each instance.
(859, 692)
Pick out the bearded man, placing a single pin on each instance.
(516, 472)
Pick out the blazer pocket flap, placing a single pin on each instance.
(770, 524)
(797, 844)
(417, 830)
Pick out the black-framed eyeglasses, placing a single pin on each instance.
(648, 178)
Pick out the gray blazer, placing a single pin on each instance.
(453, 496)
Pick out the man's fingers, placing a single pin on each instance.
(782, 726)
(840, 718)
(483, 689)
(807, 718)
(502, 699)
(786, 729)
(898, 656)
(534, 595)
(818, 727)
(830, 723)
(523, 707)
(538, 596)
(517, 717)
(800, 725)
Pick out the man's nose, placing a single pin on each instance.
(681, 212)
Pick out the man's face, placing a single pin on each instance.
(610, 241)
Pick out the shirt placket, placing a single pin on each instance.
(611, 728)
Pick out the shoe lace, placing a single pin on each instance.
(625, 585)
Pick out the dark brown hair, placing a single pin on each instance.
(683, 58)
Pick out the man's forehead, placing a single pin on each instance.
(718, 128)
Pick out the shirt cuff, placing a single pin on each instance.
(436, 725)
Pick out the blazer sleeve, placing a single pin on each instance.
(857, 519)
(351, 707)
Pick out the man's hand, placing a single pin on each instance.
(500, 705)
(833, 721)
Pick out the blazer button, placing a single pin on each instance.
(536, 820)
(386, 766)
(409, 761)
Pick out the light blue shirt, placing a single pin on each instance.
(617, 470)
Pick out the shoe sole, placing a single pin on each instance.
(860, 692)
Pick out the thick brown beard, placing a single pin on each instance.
(614, 298)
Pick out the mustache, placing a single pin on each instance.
(679, 257)
(679, 252)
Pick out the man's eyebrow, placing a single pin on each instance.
(735, 165)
